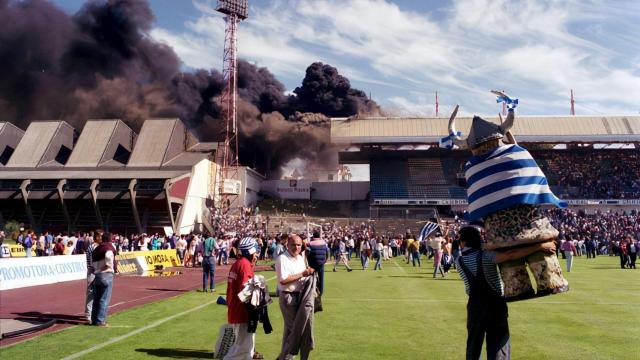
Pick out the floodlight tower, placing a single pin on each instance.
(573, 110)
(227, 179)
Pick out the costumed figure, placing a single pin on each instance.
(505, 188)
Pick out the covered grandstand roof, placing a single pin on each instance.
(104, 143)
(92, 174)
(545, 129)
(164, 149)
(44, 144)
(10, 136)
(159, 142)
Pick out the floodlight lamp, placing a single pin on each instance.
(239, 8)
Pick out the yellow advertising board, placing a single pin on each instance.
(18, 250)
(153, 259)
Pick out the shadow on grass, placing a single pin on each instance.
(178, 353)
(59, 318)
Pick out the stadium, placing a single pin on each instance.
(151, 208)
(409, 171)
(164, 177)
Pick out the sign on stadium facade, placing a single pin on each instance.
(289, 189)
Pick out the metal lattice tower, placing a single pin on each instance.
(235, 11)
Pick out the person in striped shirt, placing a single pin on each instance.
(90, 244)
(487, 311)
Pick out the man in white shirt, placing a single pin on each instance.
(181, 247)
(291, 273)
(351, 244)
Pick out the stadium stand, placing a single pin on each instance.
(598, 160)
(589, 173)
(576, 174)
(389, 179)
(107, 177)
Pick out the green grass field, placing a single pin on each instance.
(398, 313)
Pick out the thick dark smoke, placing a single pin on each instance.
(102, 63)
(325, 91)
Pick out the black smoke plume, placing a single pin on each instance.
(325, 91)
(102, 63)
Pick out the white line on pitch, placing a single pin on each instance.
(135, 332)
(398, 266)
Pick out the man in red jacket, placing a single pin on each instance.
(237, 315)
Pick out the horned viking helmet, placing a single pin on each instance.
(481, 130)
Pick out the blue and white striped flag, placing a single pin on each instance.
(427, 229)
(447, 141)
(511, 103)
(505, 177)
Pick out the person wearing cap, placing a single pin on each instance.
(237, 315)
(487, 311)
(292, 274)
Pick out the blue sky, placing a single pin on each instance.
(403, 51)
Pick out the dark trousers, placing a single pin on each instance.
(632, 260)
(624, 260)
(208, 271)
(319, 269)
(488, 317)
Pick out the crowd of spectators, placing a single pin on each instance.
(605, 174)
(602, 233)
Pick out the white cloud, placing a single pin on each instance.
(537, 50)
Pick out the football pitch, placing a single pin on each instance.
(400, 312)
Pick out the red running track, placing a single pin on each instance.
(64, 302)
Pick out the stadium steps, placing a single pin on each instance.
(388, 179)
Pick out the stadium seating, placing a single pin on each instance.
(575, 174)
(389, 179)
